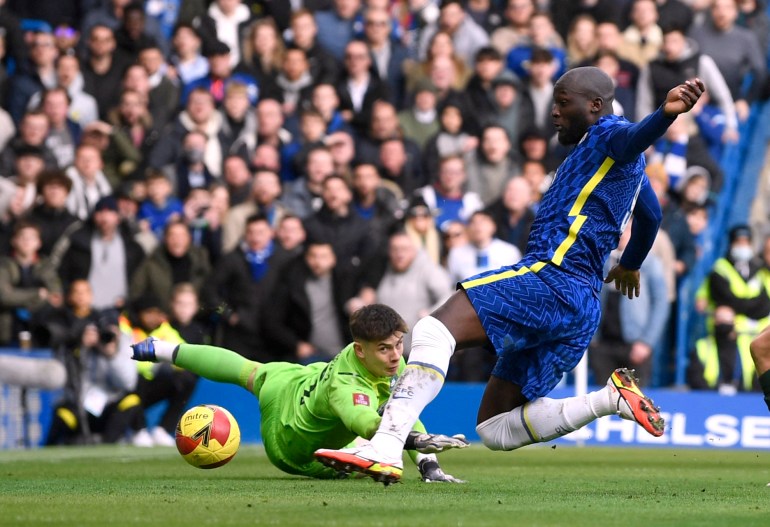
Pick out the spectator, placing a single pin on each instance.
(482, 252)
(412, 283)
(753, 16)
(736, 52)
(242, 282)
(187, 59)
(629, 333)
(294, 77)
(325, 100)
(466, 34)
(33, 131)
(103, 68)
(237, 179)
(512, 213)
(337, 26)
(304, 30)
(232, 18)
(191, 172)
(440, 64)
(581, 40)
(506, 105)
(183, 315)
(516, 31)
(132, 136)
(270, 124)
(400, 166)
(163, 92)
(542, 35)
(374, 202)
(447, 196)
(29, 164)
(89, 183)
(358, 88)
(265, 194)
(539, 181)
(490, 165)
(63, 133)
(488, 66)
(307, 314)
(679, 60)
(51, 214)
(221, 74)
(644, 37)
(388, 54)
(420, 225)
(82, 109)
(131, 35)
(199, 114)
(103, 253)
(161, 206)
(537, 93)
(39, 76)
(27, 284)
(291, 234)
(263, 51)
(175, 260)
(674, 222)
(204, 216)
(384, 125)
(343, 151)
(485, 13)
(740, 304)
(97, 359)
(453, 138)
(337, 222)
(303, 196)
(239, 122)
(419, 122)
(111, 14)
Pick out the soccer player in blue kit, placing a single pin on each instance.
(540, 314)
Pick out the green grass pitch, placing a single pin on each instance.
(542, 486)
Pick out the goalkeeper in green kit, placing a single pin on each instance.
(322, 405)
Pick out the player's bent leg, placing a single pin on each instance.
(760, 353)
(544, 419)
(418, 385)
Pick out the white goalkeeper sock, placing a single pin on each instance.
(544, 419)
(420, 382)
(164, 351)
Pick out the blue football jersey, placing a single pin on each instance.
(592, 196)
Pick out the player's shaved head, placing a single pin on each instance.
(590, 82)
(581, 97)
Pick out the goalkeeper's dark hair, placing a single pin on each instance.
(376, 322)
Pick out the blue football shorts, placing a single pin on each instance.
(539, 322)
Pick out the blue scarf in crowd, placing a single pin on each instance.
(257, 261)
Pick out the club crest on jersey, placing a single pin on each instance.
(360, 399)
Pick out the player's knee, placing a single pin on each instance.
(494, 433)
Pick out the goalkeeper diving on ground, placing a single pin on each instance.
(322, 405)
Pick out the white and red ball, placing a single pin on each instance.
(207, 436)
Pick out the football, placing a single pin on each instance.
(207, 436)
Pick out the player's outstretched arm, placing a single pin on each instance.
(682, 98)
(426, 443)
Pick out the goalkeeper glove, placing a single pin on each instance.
(144, 350)
(433, 443)
(430, 472)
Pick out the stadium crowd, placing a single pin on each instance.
(249, 173)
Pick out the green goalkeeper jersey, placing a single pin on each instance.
(303, 408)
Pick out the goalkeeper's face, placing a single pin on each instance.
(381, 358)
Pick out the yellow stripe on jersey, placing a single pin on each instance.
(577, 207)
(495, 277)
(503, 275)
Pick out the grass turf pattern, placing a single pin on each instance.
(541, 486)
